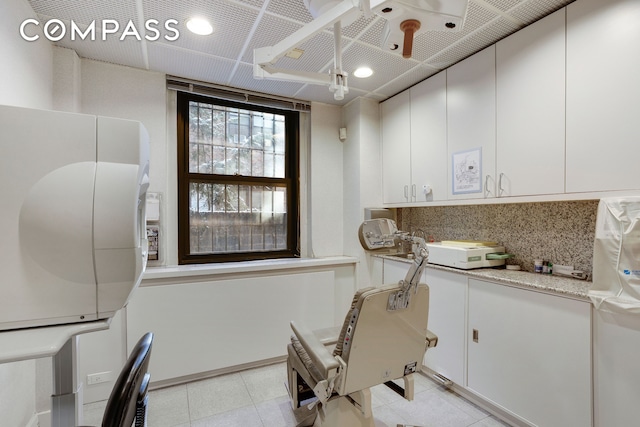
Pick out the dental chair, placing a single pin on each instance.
(384, 338)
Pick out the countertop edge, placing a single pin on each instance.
(560, 286)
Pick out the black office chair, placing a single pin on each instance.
(128, 400)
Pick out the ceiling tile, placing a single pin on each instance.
(84, 12)
(176, 61)
(294, 10)
(243, 78)
(270, 31)
(532, 10)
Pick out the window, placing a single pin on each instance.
(237, 181)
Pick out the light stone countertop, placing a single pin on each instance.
(561, 286)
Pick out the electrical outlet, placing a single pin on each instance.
(100, 377)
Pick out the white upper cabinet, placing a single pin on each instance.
(429, 139)
(603, 95)
(530, 88)
(396, 148)
(471, 126)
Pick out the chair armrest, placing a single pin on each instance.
(322, 359)
(432, 339)
(328, 336)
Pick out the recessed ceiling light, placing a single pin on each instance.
(363, 72)
(199, 26)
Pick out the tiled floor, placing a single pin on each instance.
(258, 397)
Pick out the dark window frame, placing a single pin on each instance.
(185, 178)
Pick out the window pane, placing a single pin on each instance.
(237, 218)
(251, 139)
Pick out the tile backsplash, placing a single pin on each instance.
(560, 232)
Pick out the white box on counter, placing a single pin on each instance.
(464, 256)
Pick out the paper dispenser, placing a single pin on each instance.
(72, 216)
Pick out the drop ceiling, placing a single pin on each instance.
(226, 56)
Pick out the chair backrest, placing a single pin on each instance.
(130, 387)
(379, 344)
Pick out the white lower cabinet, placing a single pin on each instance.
(447, 319)
(394, 271)
(530, 353)
(524, 352)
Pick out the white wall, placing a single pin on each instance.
(129, 93)
(66, 80)
(25, 80)
(326, 181)
(25, 69)
(362, 176)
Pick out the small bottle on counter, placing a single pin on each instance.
(550, 267)
(537, 266)
(545, 267)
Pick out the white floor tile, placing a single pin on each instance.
(429, 408)
(168, 407)
(216, 395)
(462, 403)
(242, 417)
(277, 412)
(93, 412)
(266, 383)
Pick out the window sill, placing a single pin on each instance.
(192, 271)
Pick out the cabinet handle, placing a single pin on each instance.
(413, 191)
(475, 335)
(487, 192)
(406, 192)
(500, 189)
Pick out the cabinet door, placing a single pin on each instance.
(530, 353)
(447, 319)
(394, 271)
(603, 111)
(396, 148)
(471, 125)
(429, 139)
(376, 267)
(530, 79)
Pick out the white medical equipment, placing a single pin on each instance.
(383, 338)
(467, 254)
(72, 215)
(404, 20)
